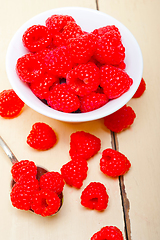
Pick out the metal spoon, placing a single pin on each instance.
(12, 157)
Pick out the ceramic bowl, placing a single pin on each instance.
(89, 20)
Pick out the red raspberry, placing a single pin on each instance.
(56, 23)
(21, 198)
(84, 79)
(10, 104)
(36, 38)
(70, 30)
(114, 81)
(52, 181)
(41, 88)
(92, 101)
(110, 49)
(109, 28)
(141, 89)
(45, 202)
(29, 68)
(114, 163)
(83, 145)
(94, 196)
(74, 172)
(41, 136)
(58, 62)
(82, 48)
(24, 167)
(120, 120)
(28, 182)
(61, 98)
(109, 233)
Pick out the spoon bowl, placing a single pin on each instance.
(40, 170)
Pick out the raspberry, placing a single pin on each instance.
(114, 81)
(29, 69)
(70, 30)
(108, 233)
(83, 145)
(24, 167)
(45, 202)
(58, 62)
(52, 181)
(82, 48)
(28, 182)
(41, 136)
(36, 38)
(110, 49)
(10, 104)
(41, 88)
(114, 163)
(61, 98)
(94, 196)
(56, 23)
(92, 101)
(21, 198)
(109, 28)
(141, 89)
(74, 172)
(84, 79)
(120, 120)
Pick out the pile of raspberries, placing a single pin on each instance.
(72, 70)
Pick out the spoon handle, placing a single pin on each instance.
(8, 151)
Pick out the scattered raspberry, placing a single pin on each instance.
(141, 89)
(45, 202)
(36, 38)
(41, 88)
(92, 101)
(94, 196)
(110, 49)
(52, 181)
(10, 104)
(61, 98)
(74, 172)
(82, 48)
(108, 233)
(70, 30)
(58, 61)
(21, 198)
(120, 120)
(83, 145)
(41, 136)
(84, 79)
(24, 167)
(56, 23)
(114, 163)
(114, 81)
(29, 68)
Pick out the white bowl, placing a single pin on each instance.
(89, 20)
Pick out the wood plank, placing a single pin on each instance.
(73, 221)
(140, 143)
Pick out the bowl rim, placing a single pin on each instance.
(73, 117)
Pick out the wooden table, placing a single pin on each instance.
(134, 205)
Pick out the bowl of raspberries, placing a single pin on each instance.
(74, 64)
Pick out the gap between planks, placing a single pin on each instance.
(124, 199)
